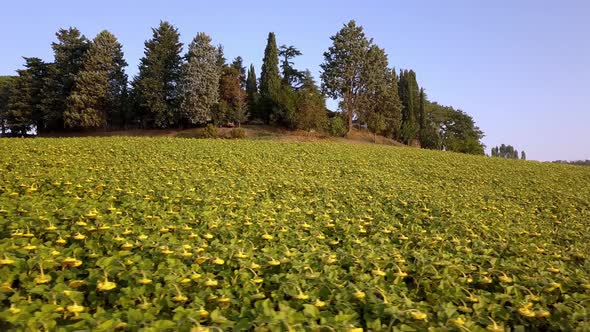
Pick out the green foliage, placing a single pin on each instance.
(6, 85)
(233, 97)
(210, 131)
(410, 97)
(353, 70)
(310, 109)
(156, 88)
(237, 133)
(457, 130)
(291, 76)
(200, 81)
(506, 151)
(337, 126)
(253, 96)
(238, 64)
(69, 54)
(173, 234)
(270, 82)
(97, 97)
(24, 109)
(522, 155)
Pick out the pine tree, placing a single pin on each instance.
(24, 103)
(353, 70)
(200, 84)
(238, 64)
(97, 99)
(270, 80)
(69, 52)
(6, 86)
(291, 76)
(156, 88)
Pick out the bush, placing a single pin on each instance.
(237, 133)
(210, 131)
(336, 126)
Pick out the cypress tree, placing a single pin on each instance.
(100, 86)
(410, 97)
(270, 79)
(69, 52)
(156, 87)
(252, 90)
(200, 84)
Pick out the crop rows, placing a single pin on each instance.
(177, 234)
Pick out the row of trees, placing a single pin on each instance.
(85, 87)
(356, 71)
(507, 151)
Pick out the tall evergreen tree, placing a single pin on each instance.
(291, 76)
(310, 110)
(353, 69)
(200, 84)
(69, 52)
(270, 80)
(410, 96)
(24, 102)
(156, 87)
(252, 90)
(97, 98)
(6, 87)
(238, 64)
(387, 107)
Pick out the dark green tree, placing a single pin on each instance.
(291, 76)
(156, 87)
(69, 52)
(522, 155)
(410, 97)
(459, 132)
(97, 99)
(6, 86)
(238, 64)
(310, 109)
(506, 151)
(252, 91)
(25, 101)
(270, 81)
(383, 116)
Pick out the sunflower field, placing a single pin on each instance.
(168, 234)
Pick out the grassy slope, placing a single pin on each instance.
(258, 132)
(461, 215)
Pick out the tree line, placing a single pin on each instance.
(85, 87)
(507, 151)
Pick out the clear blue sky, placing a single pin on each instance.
(521, 68)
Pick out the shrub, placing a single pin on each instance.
(237, 133)
(336, 126)
(210, 131)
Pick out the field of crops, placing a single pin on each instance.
(158, 234)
